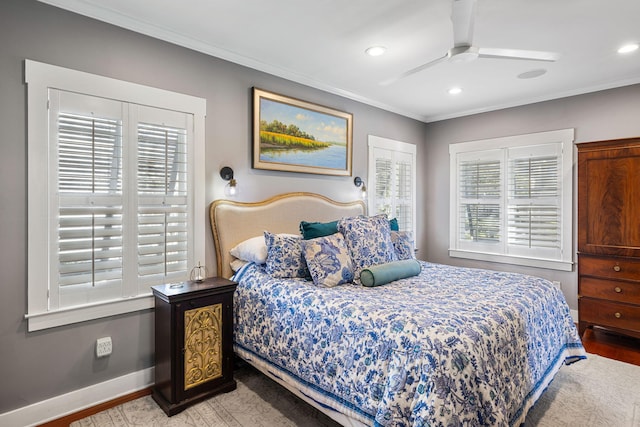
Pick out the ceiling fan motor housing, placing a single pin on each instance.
(463, 53)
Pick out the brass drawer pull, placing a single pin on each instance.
(618, 315)
(616, 268)
(617, 289)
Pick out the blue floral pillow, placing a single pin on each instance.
(284, 256)
(328, 260)
(369, 241)
(403, 244)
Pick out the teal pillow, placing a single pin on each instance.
(312, 230)
(393, 224)
(382, 274)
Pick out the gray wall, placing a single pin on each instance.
(597, 116)
(40, 365)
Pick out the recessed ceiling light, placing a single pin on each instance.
(455, 90)
(375, 50)
(532, 74)
(628, 48)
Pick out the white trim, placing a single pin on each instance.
(513, 141)
(77, 400)
(40, 78)
(514, 260)
(51, 319)
(52, 76)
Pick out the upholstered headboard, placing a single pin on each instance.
(233, 222)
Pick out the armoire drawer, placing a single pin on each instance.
(612, 290)
(612, 314)
(610, 267)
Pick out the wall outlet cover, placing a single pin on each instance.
(103, 347)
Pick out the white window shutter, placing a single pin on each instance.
(392, 169)
(121, 194)
(163, 209)
(479, 201)
(383, 183)
(88, 248)
(404, 190)
(534, 203)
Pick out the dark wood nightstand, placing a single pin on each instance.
(193, 342)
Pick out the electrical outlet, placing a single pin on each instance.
(557, 284)
(103, 347)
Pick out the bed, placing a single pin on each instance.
(447, 346)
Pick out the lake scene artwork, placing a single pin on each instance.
(299, 139)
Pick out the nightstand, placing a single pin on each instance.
(193, 342)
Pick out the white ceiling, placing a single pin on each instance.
(321, 43)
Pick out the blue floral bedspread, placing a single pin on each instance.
(449, 347)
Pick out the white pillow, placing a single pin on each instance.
(237, 264)
(253, 249)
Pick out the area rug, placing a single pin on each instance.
(595, 392)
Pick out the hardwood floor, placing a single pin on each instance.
(614, 346)
(65, 421)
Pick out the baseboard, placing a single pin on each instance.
(574, 315)
(69, 403)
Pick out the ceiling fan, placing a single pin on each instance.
(462, 17)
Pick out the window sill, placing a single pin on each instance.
(67, 316)
(514, 260)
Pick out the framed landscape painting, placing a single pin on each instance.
(297, 136)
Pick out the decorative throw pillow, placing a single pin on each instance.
(311, 230)
(381, 274)
(393, 224)
(403, 244)
(284, 256)
(328, 260)
(368, 240)
(253, 249)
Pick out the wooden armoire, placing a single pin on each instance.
(609, 235)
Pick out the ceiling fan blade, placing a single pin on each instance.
(462, 16)
(531, 55)
(413, 71)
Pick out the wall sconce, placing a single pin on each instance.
(231, 189)
(358, 182)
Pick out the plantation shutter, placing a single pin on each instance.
(89, 221)
(404, 191)
(383, 188)
(123, 219)
(479, 200)
(392, 190)
(534, 202)
(163, 214)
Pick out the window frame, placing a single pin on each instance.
(393, 146)
(39, 78)
(563, 138)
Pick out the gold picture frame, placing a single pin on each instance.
(297, 136)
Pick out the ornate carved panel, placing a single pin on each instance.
(202, 345)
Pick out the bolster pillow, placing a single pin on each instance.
(382, 274)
